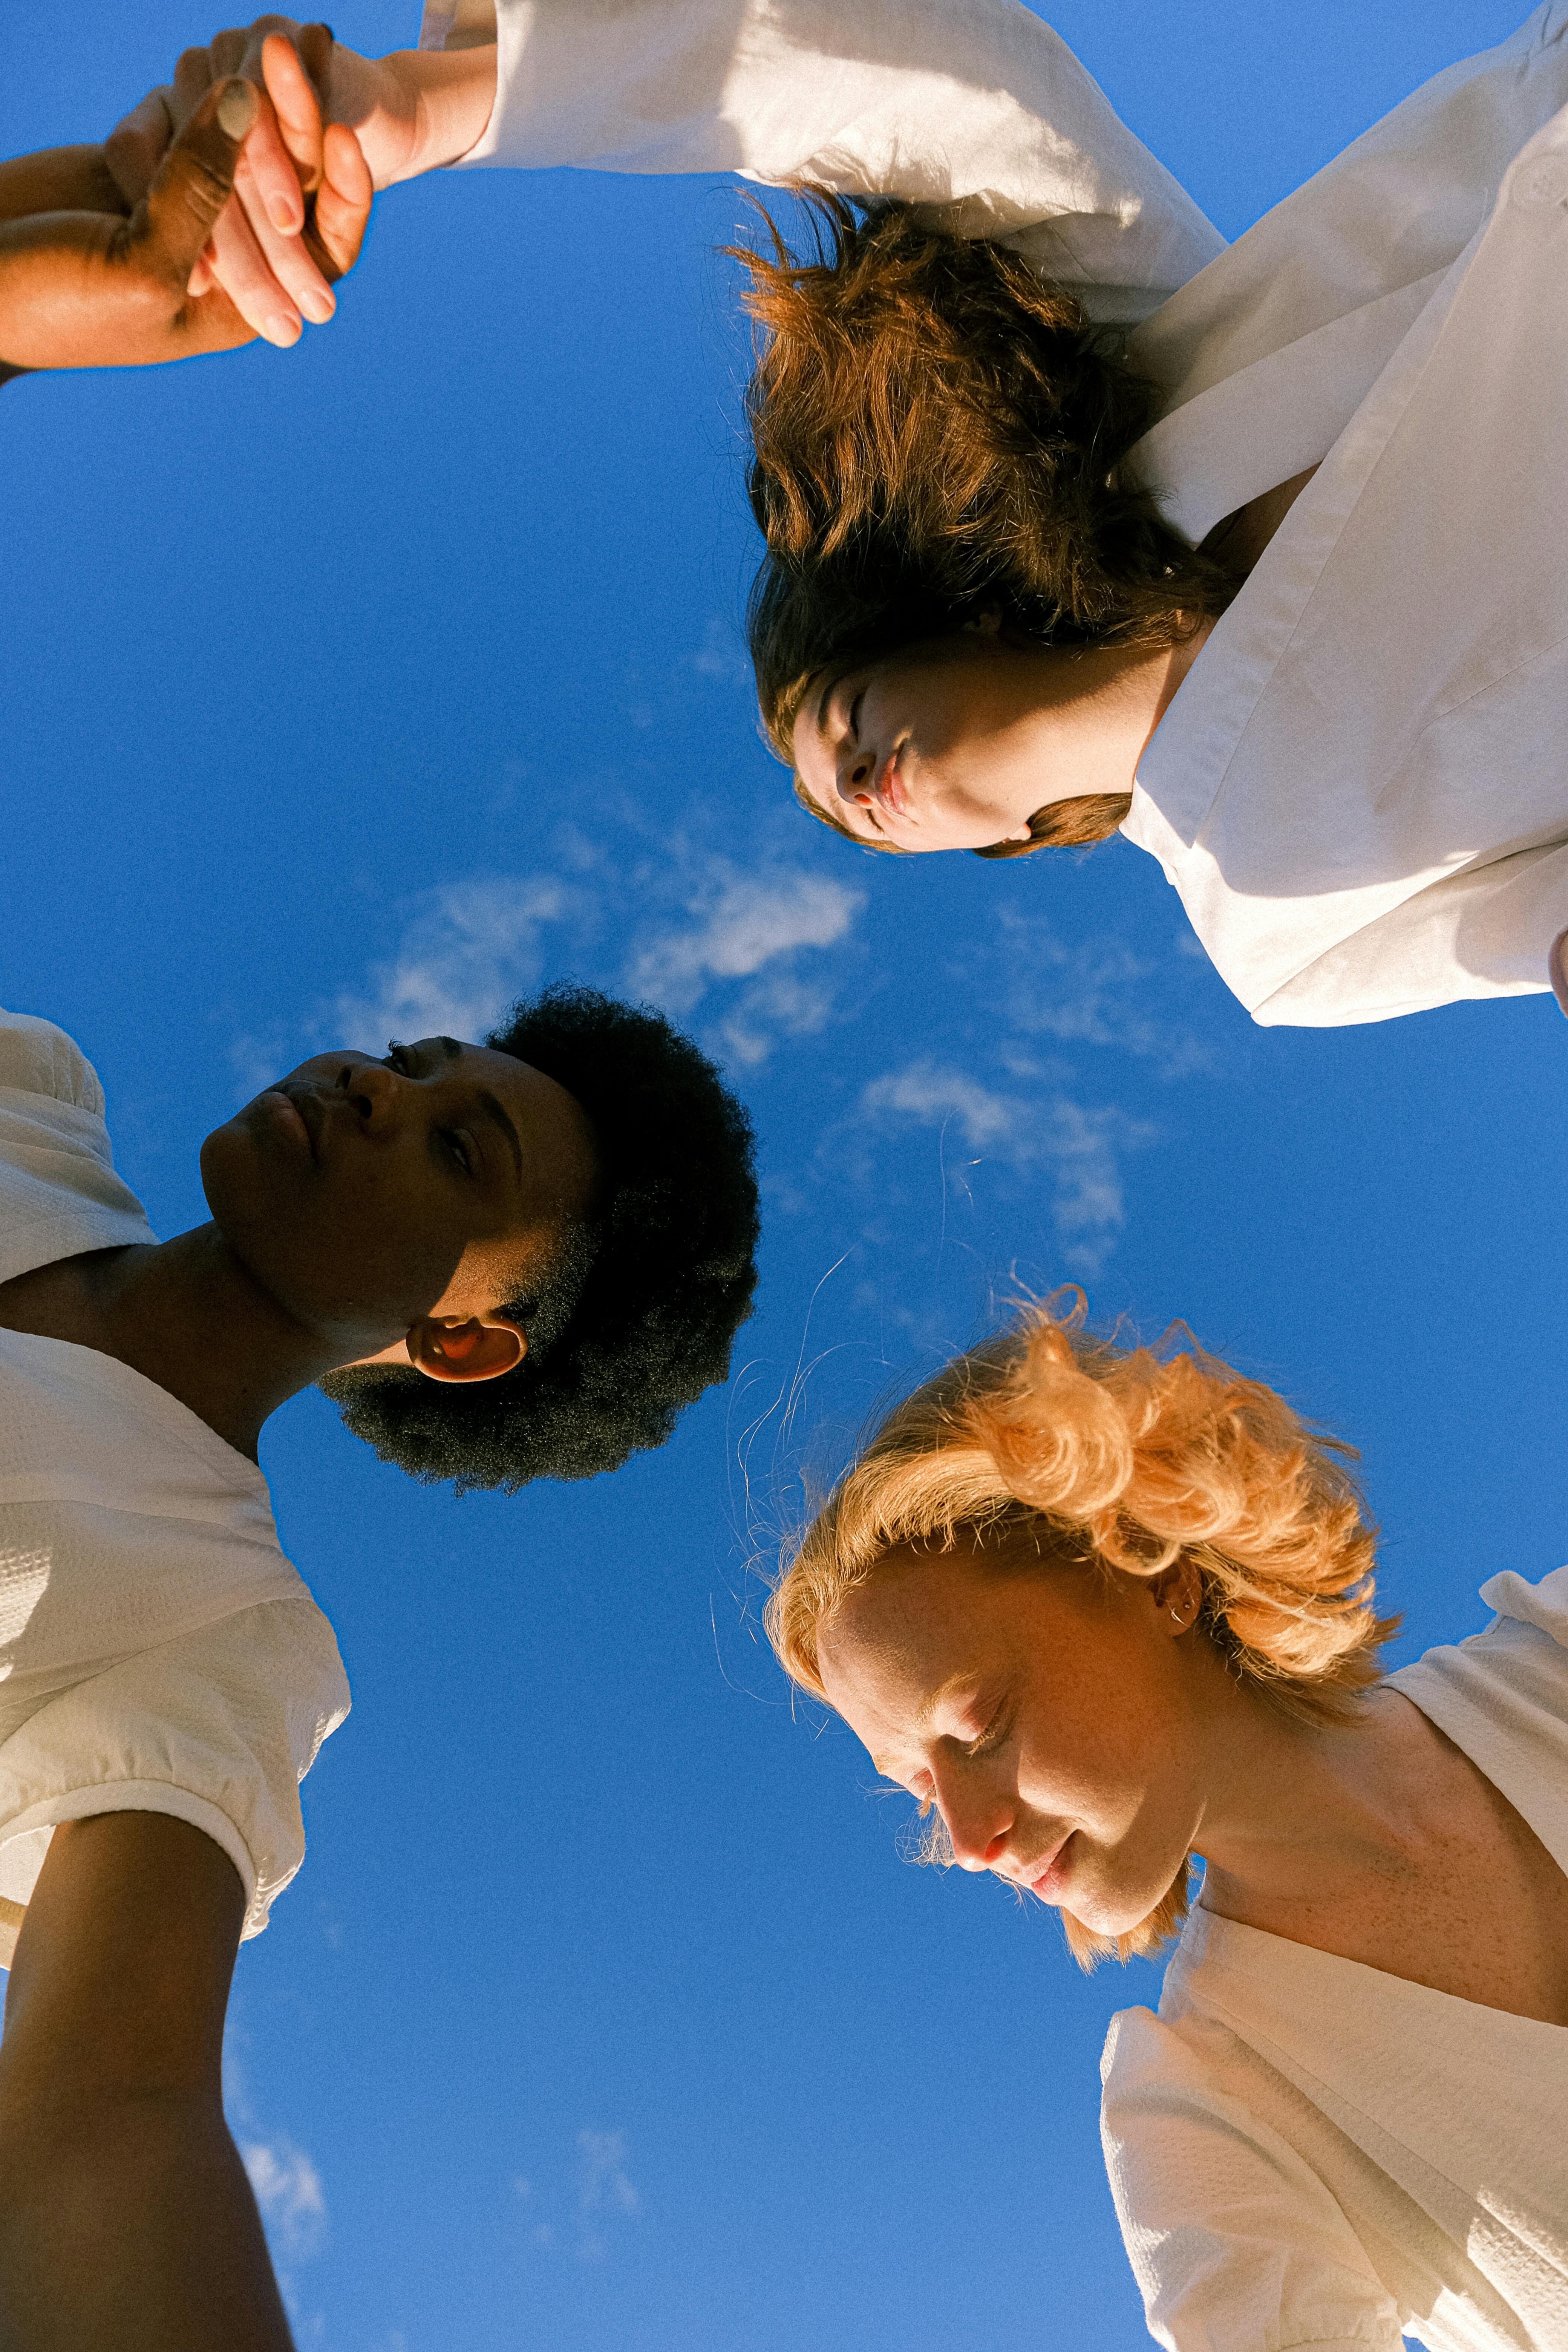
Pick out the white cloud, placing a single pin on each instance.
(604, 2191)
(1080, 1148)
(782, 1004)
(468, 949)
(472, 948)
(936, 1095)
(741, 922)
(288, 2188)
(1096, 991)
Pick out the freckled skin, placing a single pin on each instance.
(1033, 1702)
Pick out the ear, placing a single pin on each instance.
(479, 1349)
(1177, 1593)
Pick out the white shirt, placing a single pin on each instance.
(1361, 792)
(1307, 2151)
(158, 1653)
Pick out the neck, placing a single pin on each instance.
(1091, 713)
(1299, 1814)
(186, 1314)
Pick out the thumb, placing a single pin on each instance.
(195, 179)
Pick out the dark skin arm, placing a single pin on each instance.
(87, 280)
(126, 2219)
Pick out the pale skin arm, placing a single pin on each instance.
(126, 2219)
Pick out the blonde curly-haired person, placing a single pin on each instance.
(1105, 1611)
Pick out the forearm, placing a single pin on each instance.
(126, 2220)
(59, 180)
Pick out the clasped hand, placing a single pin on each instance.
(149, 248)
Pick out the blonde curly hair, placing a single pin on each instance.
(1123, 1457)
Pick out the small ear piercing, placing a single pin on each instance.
(1178, 1614)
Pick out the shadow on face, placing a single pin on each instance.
(367, 1196)
(929, 748)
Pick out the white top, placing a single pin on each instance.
(158, 1653)
(1306, 2152)
(1360, 792)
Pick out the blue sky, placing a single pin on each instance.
(393, 674)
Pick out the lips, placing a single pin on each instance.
(299, 1106)
(1046, 1880)
(888, 787)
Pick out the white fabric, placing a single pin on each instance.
(158, 1653)
(1305, 2150)
(982, 114)
(1360, 792)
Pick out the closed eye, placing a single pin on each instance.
(993, 1735)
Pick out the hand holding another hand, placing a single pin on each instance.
(83, 284)
(261, 253)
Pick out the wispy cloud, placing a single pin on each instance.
(697, 933)
(463, 958)
(733, 927)
(1097, 991)
(603, 2196)
(288, 2188)
(1078, 1147)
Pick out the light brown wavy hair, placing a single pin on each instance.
(935, 433)
(1114, 1456)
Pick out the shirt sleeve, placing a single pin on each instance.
(218, 1728)
(979, 113)
(1235, 2243)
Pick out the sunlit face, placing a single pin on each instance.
(935, 747)
(369, 1196)
(1055, 1717)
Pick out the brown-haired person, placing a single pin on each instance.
(1104, 1610)
(1079, 522)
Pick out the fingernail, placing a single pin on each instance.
(236, 110)
(284, 333)
(283, 215)
(317, 304)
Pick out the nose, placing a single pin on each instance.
(374, 1091)
(857, 776)
(979, 1820)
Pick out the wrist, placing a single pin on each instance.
(449, 98)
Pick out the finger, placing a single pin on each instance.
(227, 50)
(193, 77)
(342, 201)
(193, 184)
(202, 279)
(298, 110)
(137, 145)
(273, 194)
(289, 258)
(240, 267)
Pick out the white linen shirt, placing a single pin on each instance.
(1360, 791)
(1304, 2150)
(158, 1653)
